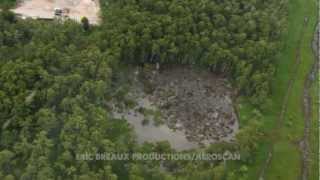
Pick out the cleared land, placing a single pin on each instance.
(45, 9)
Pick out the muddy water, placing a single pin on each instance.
(195, 108)
(152, 133)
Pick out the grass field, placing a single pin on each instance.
(283, 136)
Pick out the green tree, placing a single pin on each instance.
(85, 23)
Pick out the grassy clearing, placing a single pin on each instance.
(285, 138)
(285, 147)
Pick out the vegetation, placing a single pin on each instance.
(53, 89)
(57, 78)
(85, 23)
(235, 38)
(283, 140)
(7, 3)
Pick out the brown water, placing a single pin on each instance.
(153, 133)
(195, 106)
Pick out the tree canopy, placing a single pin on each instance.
(237, 38)
(56, 79)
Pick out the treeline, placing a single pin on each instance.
(7, 3)
(54, 83)
(56, 80)
(237, 38)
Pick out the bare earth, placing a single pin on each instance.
(45, 9)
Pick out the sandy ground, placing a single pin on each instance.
(45, 9)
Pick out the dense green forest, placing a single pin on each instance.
(7, 3)
(237, 38)
(56, 78)
(55, 82)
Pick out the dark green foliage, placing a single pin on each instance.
(237, 38)
(56, 79)
(53, 90)
(85, 23)
(6, 4)
(9, 16)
